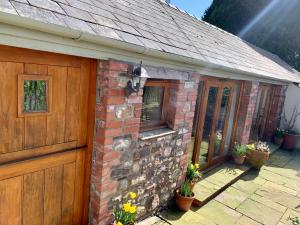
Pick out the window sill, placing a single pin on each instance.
(147, 135)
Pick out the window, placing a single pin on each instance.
(154, 105)
(34, 94)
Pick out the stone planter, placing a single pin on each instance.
(258, 158)
(183, 203)
(290, 141)
(239, 159)
(278, 140)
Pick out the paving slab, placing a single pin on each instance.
(281, 188)
(154, 220)
(268, 202)
(232, 197)
(280, 197)
(290, 217)
(244, 220)
(205, 189)
(259, 212)
(219, 213)
(246, 186)
(173, 216)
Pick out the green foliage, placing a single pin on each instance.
(185, 190)
(126, 215)
(277, 32)
(35, 95)
(240, 149)
(279, 133)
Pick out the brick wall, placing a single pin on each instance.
(121, 162)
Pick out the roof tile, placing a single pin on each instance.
(154, 25)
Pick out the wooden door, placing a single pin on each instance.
(44, 100)
(212, 124)
(261, 113)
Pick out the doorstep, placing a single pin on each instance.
(213, 183)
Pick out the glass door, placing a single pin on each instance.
(261, 113)
(213, 117)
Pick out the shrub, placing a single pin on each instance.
(240, 150)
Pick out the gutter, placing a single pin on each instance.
(16, 26)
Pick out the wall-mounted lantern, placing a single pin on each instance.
(138, 76)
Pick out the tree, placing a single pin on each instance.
(277, 31)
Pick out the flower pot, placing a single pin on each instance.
(183, 203)
(278, 140)
(258, 158)
(291, 141)
(239, 159)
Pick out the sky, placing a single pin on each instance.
(195, 7)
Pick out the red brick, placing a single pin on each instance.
(113, 124)
(109, 100)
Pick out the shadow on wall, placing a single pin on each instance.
(290, 119)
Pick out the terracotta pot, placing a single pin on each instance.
(278, 140)
(183, 203)
(258, 158)
(291, 141)
(239, 159)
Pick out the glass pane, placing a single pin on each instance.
(152, 103)
(211, 105)
(35, 99)
(196, 119)
(221, 122)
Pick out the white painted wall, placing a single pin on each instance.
(292, 99)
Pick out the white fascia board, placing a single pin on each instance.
(53, 38)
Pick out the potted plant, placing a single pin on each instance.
(259, 153)
(239, 153)
(278, 136)
(184, 197)
(291, 137)
(192, 174)
(126, 215)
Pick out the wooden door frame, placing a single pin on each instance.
(211, 82)
(229, 84)
(90, 140)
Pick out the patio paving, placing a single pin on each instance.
(270, 196)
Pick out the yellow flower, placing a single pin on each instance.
(197, 166)
(119, 223)
(127, 207)
(133, 209)
(132, 195)
(192, 167)
(197, 172)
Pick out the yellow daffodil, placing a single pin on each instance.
(192, 166)
(197, 166)
(119, 223)
(197, 172)
(133, 209)
(132, 195)
(126, 207)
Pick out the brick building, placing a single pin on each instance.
(74, 133)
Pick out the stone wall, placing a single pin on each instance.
(121, 161)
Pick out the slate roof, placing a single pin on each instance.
(154, 25)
